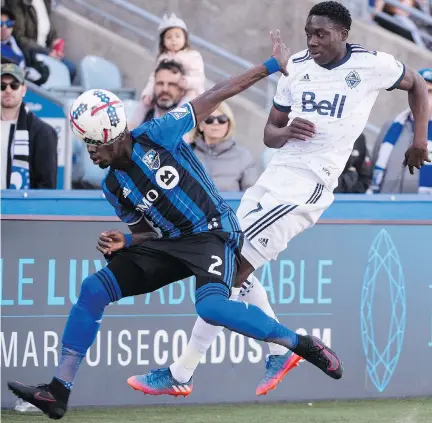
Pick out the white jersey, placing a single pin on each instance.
(338, 99)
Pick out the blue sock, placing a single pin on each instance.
(214, 307)
(97, 291)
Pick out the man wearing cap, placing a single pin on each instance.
(28, 145)
(389, 176)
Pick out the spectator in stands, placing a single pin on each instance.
(37, 71)
(403, 24)
(388, 175)
(422, 25)
(28, 145)
(167, 93)
(10, 51)
(357, 175)
(174, 45)
(425, 6)
(230, 165)
(34, 29)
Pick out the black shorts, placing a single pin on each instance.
(210, 256)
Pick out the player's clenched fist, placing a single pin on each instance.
(300, 129)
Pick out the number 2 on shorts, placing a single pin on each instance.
(217, 263)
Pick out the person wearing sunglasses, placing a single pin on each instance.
(231, 166)
(35, 30)
(11, 52)
(28, 145)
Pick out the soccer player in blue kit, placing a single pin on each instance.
(155, 180)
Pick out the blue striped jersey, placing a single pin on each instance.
(166, 183)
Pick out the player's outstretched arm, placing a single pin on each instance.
(209, 101)
(418, 101)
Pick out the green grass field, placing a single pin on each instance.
(386, 411)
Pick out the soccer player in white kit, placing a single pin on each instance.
(319, 110)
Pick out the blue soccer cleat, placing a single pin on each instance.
(277, 366)
(160, 382)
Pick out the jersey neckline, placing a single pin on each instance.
(340, 62)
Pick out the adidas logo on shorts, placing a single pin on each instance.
(263, 241)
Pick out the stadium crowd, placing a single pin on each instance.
(29, 41)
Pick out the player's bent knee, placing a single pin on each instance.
(94, 293)
(211, 309)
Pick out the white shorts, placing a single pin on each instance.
(283, 203)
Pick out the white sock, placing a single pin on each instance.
(202, 337)
(254, 293)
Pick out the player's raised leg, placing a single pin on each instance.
(215, 308)
(278, 363)
(271, 214)
(280, 360)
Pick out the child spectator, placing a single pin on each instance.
(174, 45)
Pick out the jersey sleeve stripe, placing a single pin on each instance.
(283, 109)
(397, 83)
(192, 110)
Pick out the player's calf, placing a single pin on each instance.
(213, 306)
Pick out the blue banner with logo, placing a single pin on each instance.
(364, 287)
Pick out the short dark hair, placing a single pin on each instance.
(335, 11)
(8, 12)
(170, 65)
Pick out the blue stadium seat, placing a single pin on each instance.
(130, 106)
(59, 76)
(98, 72)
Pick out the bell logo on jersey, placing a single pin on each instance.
(324, 107)
(167, 177)
(147, 201)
